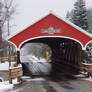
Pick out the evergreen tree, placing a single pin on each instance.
(79, 16)
(89, 14)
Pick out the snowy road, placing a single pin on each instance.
(49, 85)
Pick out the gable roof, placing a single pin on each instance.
(67, 28)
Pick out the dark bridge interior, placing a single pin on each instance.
(66, 56)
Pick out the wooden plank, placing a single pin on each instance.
(2, 59)
(16, 72)
(87, 68)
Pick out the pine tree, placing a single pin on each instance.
(79, 16)
(89, 14)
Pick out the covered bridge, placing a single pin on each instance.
(65, 39)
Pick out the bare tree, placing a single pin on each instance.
(6, 11)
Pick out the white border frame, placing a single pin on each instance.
(51, 37)
(18, 48)
(87, 44)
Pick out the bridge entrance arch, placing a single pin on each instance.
(65, 53)
(65, 39)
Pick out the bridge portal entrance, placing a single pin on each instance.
(65, 57)
(65, 39)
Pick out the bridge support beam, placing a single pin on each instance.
(18, 62)
(18, 57)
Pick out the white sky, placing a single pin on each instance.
(29, 11)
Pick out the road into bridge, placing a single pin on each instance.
(54, 85)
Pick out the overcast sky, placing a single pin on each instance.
(29, 11)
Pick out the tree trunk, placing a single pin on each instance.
(1, 51)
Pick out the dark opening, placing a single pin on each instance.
(36, 58)
(65, 57)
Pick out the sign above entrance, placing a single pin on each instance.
(51, 30)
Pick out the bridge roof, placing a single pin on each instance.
(51, 26)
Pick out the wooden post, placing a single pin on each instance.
(16, 72)
(18, 57)
(18, 79)
(18, 62)
(10, 79)
(81, 58)
(9, 60)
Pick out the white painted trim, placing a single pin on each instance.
(14, 45)
(68, 22)
(52, 37)
(87, 44)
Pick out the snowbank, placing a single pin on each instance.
(35, 59)
(86, 64)
(83, 77)
(12, 67)
(5, 86)
(87, 79)
(79, 76)
(5, 66)
(32, 58)
(29, 79)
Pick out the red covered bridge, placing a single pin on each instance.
(65, 39)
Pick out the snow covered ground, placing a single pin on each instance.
(83, 77)
(5, 66)
(29, 79)
(32, 58)
(5, 86)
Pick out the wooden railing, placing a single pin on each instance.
(3, 59)
(87, 68)
(15, 72)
